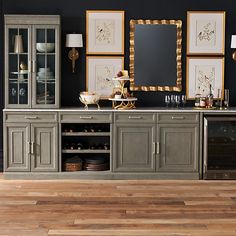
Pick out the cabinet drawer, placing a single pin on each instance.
(135, 117)
(178, 117)
(86, 117)
(30, 117)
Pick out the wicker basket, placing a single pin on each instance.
(72, 166)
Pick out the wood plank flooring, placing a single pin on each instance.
(115, 207)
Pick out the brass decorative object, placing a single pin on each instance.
(124, 102)
(178, 87)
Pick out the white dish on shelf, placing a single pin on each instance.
(45, 47)
(20, 72)
(42, 69)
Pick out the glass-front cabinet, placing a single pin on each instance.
(32, 56)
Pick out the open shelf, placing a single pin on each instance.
(83, 143)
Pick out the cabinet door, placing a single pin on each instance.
(178, 150)
(45, 68)
(16, 147)
(44, 144)
(17, 66)
(133, 148)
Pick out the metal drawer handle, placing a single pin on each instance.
(86, 117)
(158, 148)
(177, 117)
(32, 148)
(31, 117)
(135, 117)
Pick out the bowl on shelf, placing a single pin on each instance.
(45, 47)
(89, 98)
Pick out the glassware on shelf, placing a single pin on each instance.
(184, 100)
(172, 100)
(177, 100)
(226, 99)
(22, 93)
(167, 100)
(13, 94)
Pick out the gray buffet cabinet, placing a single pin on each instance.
(144, 143)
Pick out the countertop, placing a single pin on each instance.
(140, 109)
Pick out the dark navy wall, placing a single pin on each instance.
(73, 20)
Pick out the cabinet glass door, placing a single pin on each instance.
(18, 73)
(45, 66)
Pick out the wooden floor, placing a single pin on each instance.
(73, 207)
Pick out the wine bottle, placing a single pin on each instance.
(209, 98)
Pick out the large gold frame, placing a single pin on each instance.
(178, 87)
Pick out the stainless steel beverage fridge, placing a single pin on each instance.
(219, 147)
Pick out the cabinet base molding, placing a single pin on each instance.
(104, 175)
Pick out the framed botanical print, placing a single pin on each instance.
(99, 73)
(203, 72)
(205, 32)
(104, 32)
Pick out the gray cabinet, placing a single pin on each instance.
(133, 149)
(31, 144)
(134, 142)
(32, 57)
(16, 147)
(178, 146)
(162, 143)
(178, 141)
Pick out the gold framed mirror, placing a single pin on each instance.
(156, 55)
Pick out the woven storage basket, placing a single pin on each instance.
(73, 166)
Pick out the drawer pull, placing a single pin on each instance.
(177, 118)
(86, 117)
(135, 117)
(31, 117)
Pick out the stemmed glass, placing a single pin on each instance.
(167, 100)
(13, 94)
(184, 100)
(172, 100)
(226, 100)
(22, 94)
(177, 100)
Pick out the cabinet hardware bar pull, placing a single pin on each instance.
(34, 66)
(86, 117)
(31, 117)
(177, 117)
(135, 117)
(158, 148)
(32, 148)
(153, 148)
(29, 66)
(28, 147)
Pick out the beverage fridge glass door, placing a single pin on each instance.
(220, 147)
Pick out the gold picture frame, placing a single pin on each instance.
(206, 33)
(177, 83)
(99, 73)
(105, 32)
(201, 72)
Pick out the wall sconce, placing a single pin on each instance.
(233, 45)
(74, 41)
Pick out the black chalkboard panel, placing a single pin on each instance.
(155, 55)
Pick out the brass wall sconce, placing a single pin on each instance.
(74, 41)
(233, 45)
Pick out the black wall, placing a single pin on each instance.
(73, 20)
